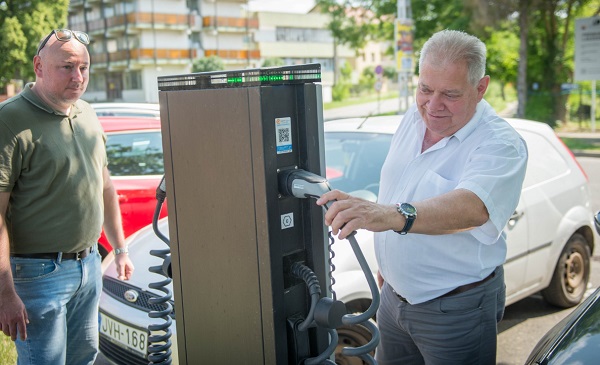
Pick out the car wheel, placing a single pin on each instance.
(351, 336)
(571, 274)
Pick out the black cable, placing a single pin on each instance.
(159, 348)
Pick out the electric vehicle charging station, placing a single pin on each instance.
(249, 259)
(233, 239)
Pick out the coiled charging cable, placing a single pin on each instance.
(303, 184)
(159, 348)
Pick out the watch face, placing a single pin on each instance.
(408, 209)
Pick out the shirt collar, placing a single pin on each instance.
(28, 94)
(468, 128)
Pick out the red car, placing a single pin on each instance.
(135, 162)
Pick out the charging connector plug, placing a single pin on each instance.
(302, 184)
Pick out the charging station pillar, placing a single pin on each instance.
(226, 135)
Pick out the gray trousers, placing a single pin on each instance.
(459, 329)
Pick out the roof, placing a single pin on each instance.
(378, 124)
(389, 124)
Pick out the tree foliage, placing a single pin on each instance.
(537, 35)
(273, 62)
(22, 25)
(207, 64)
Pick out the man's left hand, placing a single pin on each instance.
(124, 267)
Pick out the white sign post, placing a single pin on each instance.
(587, 54)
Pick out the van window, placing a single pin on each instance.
(545, 162)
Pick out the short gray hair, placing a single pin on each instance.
(450, 46)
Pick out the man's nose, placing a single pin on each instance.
(77, 75)
(435, 102)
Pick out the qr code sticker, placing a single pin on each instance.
(283, 135)
(283, 126)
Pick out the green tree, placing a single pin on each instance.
(22, 25)
(503, 57)
(551, 55)
(341, 89)
(273, 62)
(367, 79)
(207, 64)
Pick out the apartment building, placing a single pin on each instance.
(136, 41)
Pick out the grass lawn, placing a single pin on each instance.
(581, 144)
(8, 354)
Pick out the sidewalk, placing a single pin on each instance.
(589, 137)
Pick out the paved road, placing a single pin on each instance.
(363, 110)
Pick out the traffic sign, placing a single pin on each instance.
(587, 49)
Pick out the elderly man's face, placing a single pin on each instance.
(446, 99)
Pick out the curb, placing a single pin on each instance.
(584, 153)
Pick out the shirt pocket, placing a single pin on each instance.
(432, 184)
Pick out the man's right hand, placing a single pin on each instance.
(13, 316)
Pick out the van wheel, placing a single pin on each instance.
(351, 336)
(571, 275)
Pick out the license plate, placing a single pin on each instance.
(129, 337)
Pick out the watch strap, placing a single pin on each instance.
(409, 219)
(119, 251)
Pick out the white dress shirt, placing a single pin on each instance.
(487, 157)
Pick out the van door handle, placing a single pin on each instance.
(514, 218)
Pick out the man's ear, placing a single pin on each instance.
(37, 65)
(482, 87)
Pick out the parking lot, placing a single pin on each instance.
(526, 321)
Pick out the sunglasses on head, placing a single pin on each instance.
(65, 35)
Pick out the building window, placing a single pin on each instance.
(285, 34)
(97, 82)
(132, 80)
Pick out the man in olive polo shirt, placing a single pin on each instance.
(55, 196)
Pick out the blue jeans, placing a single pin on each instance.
(455, 330)
(61, 298)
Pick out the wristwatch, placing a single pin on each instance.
(119, 251)
(410, 213)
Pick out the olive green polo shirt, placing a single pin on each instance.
(52, 166)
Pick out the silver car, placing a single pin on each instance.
(550, 236)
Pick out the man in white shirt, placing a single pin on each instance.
(450, 182)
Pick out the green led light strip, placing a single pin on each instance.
(296, 74)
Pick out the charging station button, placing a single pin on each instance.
(287, 220)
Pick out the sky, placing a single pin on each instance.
(282, 6)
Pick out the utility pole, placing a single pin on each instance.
(404, 51)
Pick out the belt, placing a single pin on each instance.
(460, 289)
(54, 255)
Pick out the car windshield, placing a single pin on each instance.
(135, 153)
(354, 159)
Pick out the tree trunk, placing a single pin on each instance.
(522, 75)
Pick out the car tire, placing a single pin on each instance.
(351, 336)
(571, 274)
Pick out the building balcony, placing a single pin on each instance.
(144, 56)
(224, 24)
(226, 54)
(133, 21)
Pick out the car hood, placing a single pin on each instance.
(140, 244)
